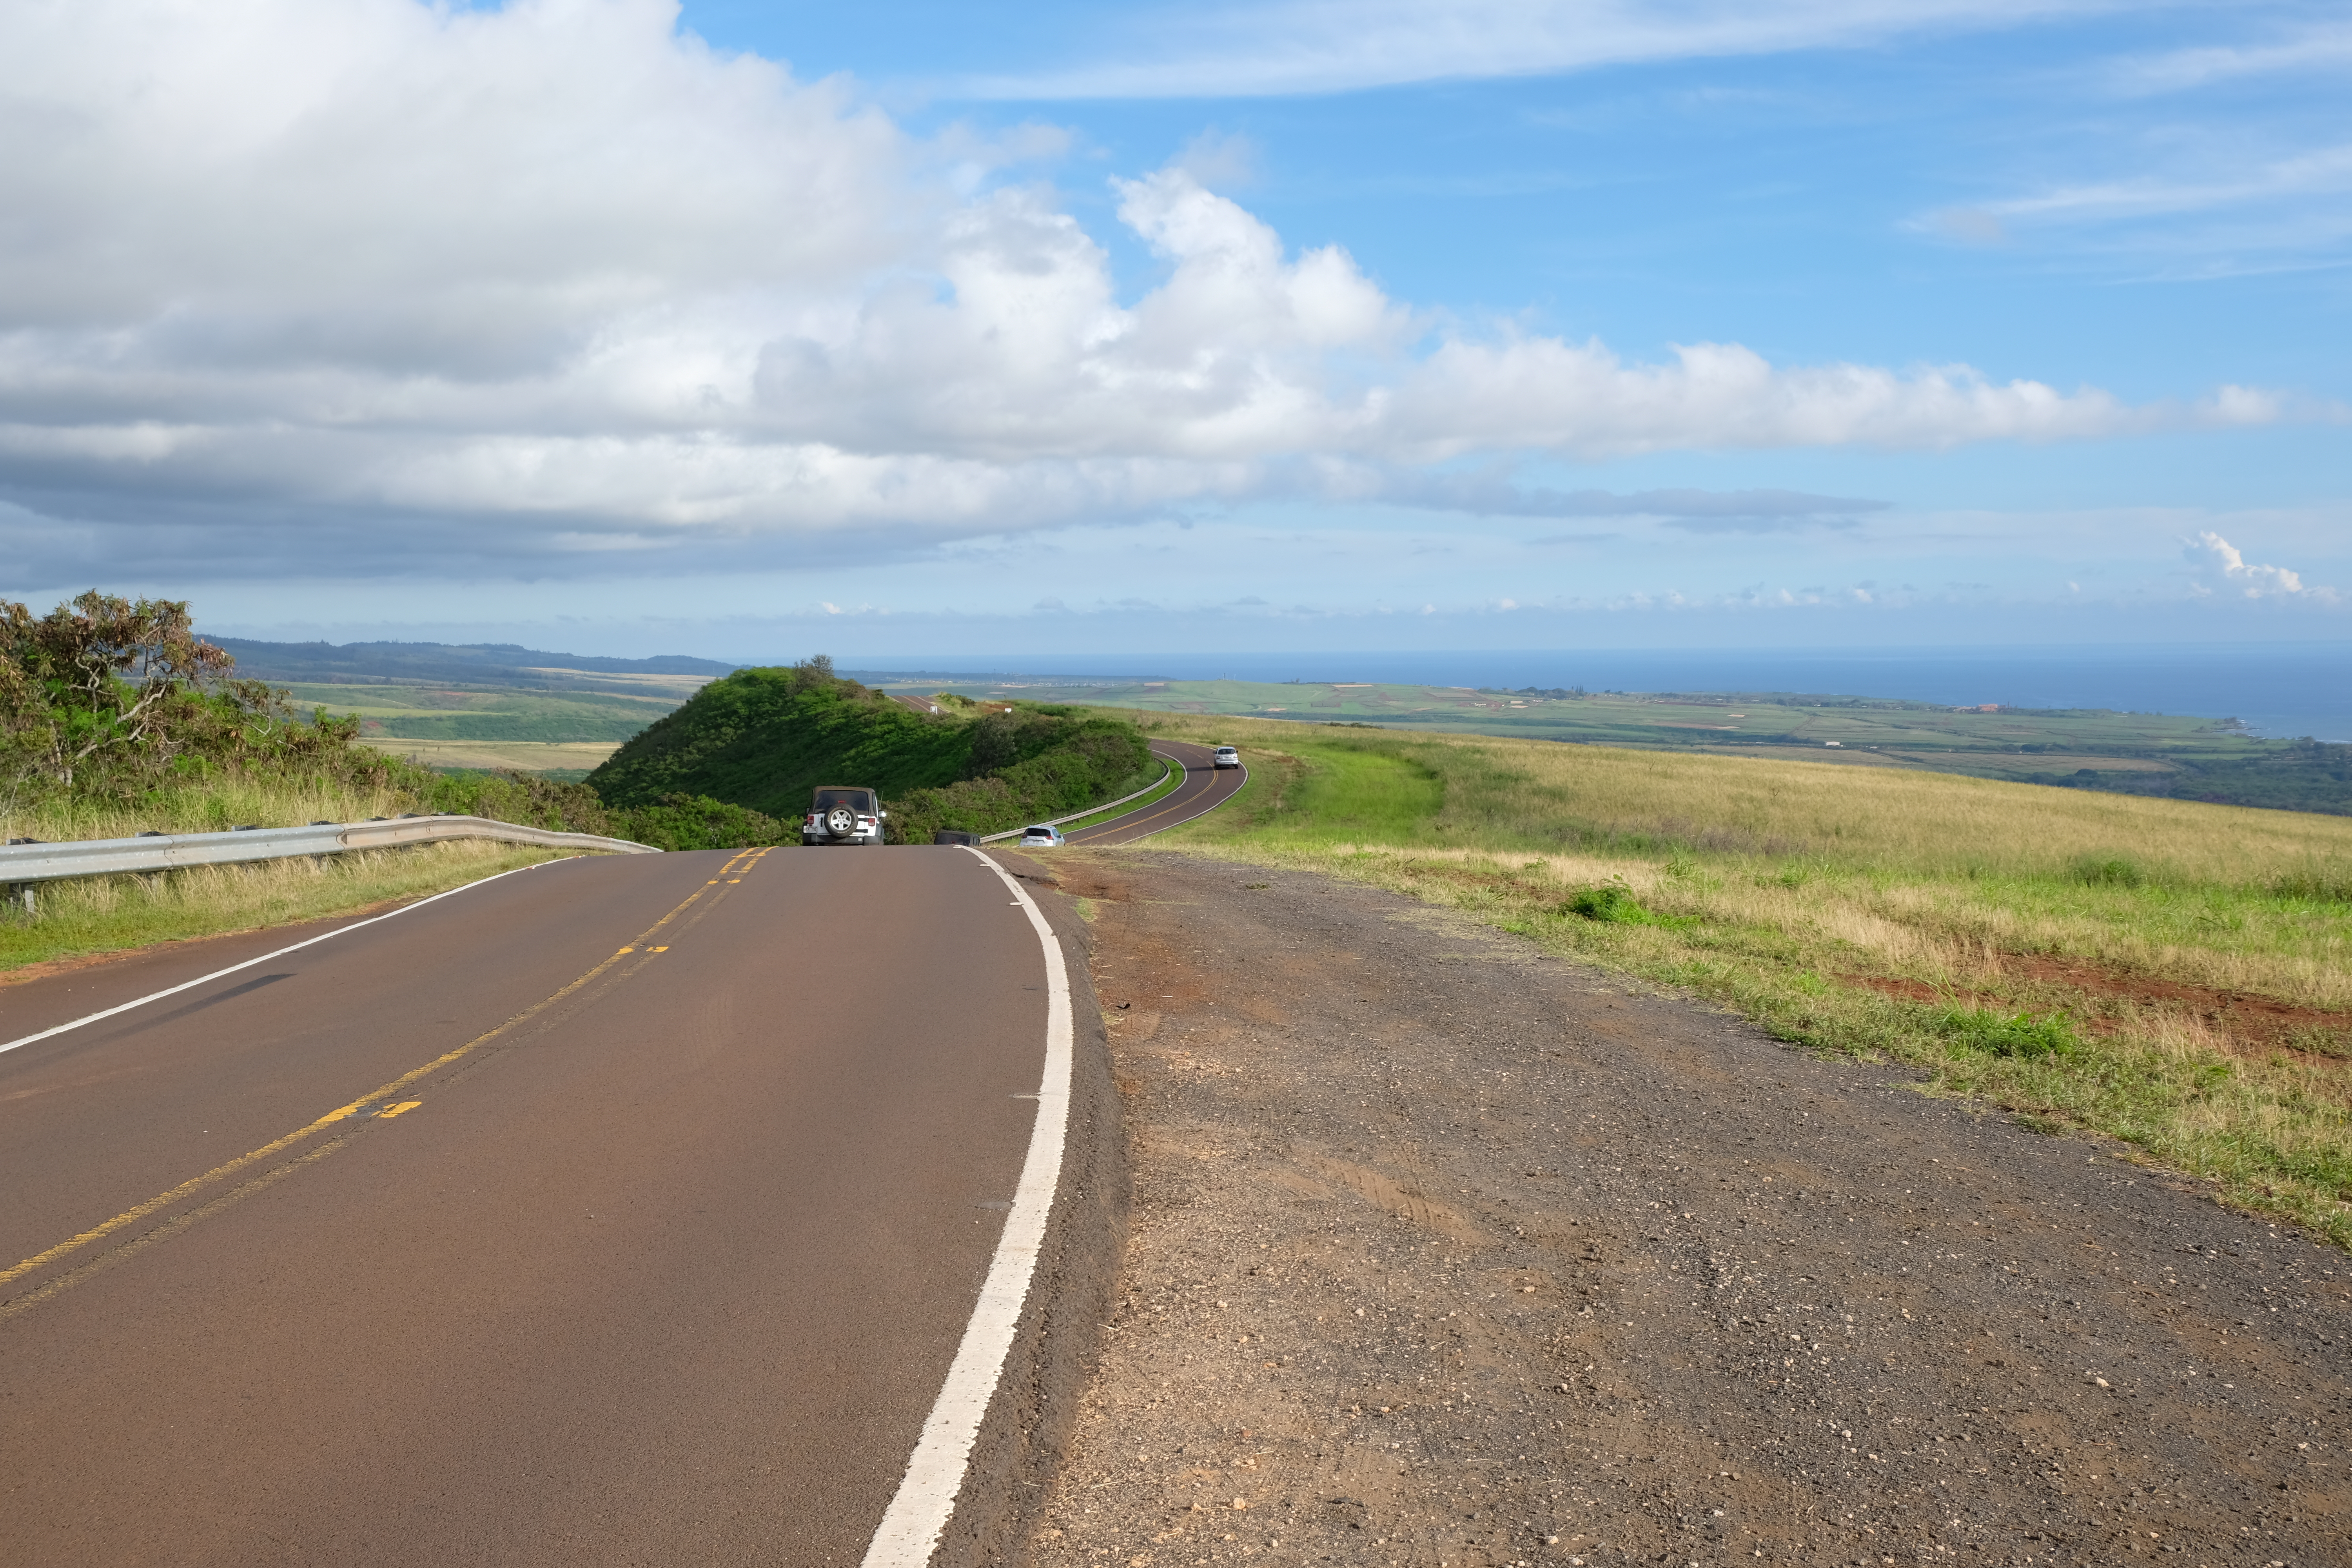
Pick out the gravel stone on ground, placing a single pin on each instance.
(1446, 1252)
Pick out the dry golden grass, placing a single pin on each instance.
(1888, 819)
(1908, 915)
(529, 756)
(108, 915)
(213, 807)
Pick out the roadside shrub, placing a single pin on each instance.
(1010, 737)
(2008, 1035)
(699, 822)
(526, 799)
(1070, 760)
(2105, 870)
(2318, 884)
(1611, 902)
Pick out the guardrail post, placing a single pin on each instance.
(22, 893)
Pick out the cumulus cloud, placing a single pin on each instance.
(556, 280)
(2222, 563)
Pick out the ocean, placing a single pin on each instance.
(2278, 690)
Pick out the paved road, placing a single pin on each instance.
(664, 1262)
(1203, 790)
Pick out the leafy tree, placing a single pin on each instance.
(99, 675)
(106, 696)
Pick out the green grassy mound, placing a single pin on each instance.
(762, 739)
(765, 738)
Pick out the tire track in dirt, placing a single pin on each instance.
(1444, 1252)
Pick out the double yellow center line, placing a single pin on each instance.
(382, 1104)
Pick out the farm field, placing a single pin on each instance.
(2139, 753)
(565, 760)
(2172, 973)
(490, 707)
(1667, 718)
(491, 713)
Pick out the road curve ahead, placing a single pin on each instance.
(620, 1210)
(1203, 790)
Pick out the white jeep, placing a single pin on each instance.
(843, 815)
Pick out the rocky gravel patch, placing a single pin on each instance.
(1444, 1252)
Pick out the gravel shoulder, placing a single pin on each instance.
(1443, 1251)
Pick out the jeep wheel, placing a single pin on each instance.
(841, 822)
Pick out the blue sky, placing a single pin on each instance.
(750, 328)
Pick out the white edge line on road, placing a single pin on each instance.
(248, 964)
(925, 1501)
(1179, 821)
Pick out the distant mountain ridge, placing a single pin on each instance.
(370, 663)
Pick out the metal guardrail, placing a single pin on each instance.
(22, 865)
(1092, 810)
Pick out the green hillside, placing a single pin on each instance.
(764, 738)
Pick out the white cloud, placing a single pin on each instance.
(2326, 47)
(1335, 45)
(2319, 172)
(2222, 563)
(2205, 192)
(553, 282)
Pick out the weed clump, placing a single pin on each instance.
(2109, 870)
(2008, 1035)
(2316, 884)
(1611, 902)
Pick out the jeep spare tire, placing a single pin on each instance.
(841, 822)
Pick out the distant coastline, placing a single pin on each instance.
(2277, 690)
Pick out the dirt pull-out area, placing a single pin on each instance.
(1446, 1252)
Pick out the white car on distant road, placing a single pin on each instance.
(1228, 758)
(1045, 836)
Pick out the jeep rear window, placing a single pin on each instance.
(856, 799)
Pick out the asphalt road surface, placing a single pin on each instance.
(619, 1210)
(1203, 790)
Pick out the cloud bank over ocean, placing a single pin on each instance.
(562, 278)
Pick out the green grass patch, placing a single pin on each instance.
(1992, 936)
(2008, 1035)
